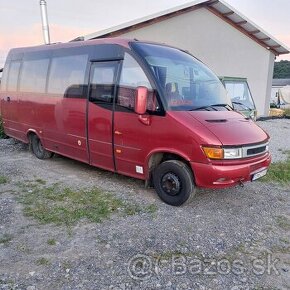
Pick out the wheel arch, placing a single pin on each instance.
(29, 133)
(156, 157)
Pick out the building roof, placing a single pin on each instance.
(280, 82)
(218, 7)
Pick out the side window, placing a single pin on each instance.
(133, 76)
(67, 75)
(102, 83)
(33, 75)
(13, 76)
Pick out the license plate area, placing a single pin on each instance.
(259, 174)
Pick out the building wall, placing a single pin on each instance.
(226, 50)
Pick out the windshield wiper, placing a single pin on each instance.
(238, 103)
(212, 107)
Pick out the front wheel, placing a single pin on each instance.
(173, 182)
(37, 148)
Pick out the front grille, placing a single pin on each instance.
(249, 151)
(255, 151)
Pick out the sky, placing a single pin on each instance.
(20, 21)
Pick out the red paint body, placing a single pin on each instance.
(83, 131)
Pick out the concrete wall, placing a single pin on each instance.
(226, 50)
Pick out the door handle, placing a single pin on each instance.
(117, 132)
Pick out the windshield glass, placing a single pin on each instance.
(186, 83)
(240, 95)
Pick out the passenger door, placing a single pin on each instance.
(102, 89)
(132, 137)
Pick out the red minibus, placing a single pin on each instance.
(142, 109)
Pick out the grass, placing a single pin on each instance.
(3, 179)
(8, 284)
(284, 241)
(42, 262)
(280, 249)
(5, 239)
(66, 206)
(279, 171)
(132, 209)
(283, 222)
(40, 181)
(51, 242)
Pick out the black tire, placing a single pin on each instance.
(173, 182)
(37, 148)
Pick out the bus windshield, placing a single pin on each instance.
(186, 83)
(240, 94)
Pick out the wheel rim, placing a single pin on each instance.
(171, 184)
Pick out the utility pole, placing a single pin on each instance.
(44, 19)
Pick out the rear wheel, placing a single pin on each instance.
(173, 182)
(38, 149)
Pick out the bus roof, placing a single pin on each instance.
(119, 41)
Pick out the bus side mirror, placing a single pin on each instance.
(141, 100)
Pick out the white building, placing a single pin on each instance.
(213, 31)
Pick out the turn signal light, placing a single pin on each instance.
(213, 153)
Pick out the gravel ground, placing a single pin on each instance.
(279, 131)
(237, 238)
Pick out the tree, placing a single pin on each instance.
(282, 70)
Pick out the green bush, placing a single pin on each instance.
(2, 134)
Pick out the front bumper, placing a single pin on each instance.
(228, 173)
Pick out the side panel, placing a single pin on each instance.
(64, 127)
(9, 98)
(44, 90)
(52, 100)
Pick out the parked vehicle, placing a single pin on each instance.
(284, 97)
(240, 94)
(145, 110)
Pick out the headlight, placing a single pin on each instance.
(213, 152)
(232, 153)
(245, 151)
(222, 153)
